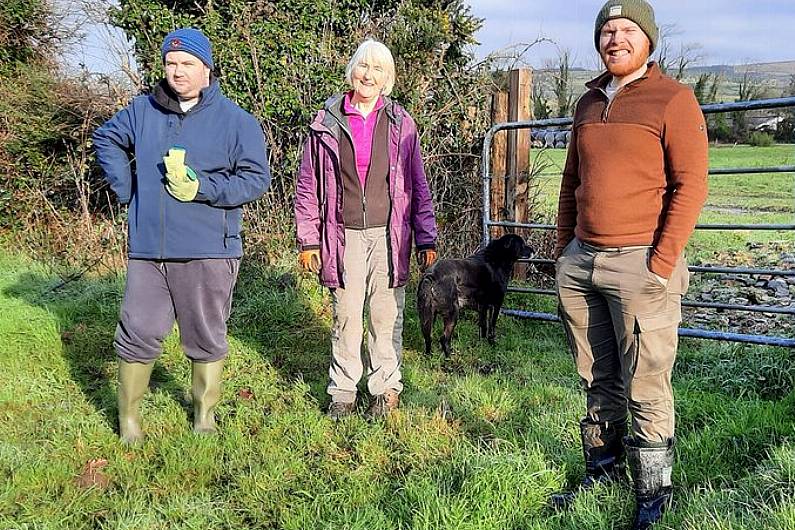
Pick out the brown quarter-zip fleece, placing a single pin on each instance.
(636, 170)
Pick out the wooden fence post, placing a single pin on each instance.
(499, 114)
(510, 154)
(519, 109)
(519, 97)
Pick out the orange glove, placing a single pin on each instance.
(310, 260)
(426, 258)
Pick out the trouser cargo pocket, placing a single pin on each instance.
(655, 342)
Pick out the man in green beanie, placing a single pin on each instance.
(633, 186)
(198, 158)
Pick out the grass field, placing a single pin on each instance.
(479, 443)
(763, 198)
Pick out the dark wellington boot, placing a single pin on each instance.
(650, 466)
(206, 390)
(133, 382)
(604, 459)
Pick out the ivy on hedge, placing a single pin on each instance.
(281, 59)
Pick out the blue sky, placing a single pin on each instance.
(730, 31)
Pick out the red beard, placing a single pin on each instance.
(637, 58)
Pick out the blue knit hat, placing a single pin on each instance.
(191, 41)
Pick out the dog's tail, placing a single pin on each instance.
(425, 308)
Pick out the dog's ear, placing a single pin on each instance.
(520, 248)
(494, 244)
(514, 243)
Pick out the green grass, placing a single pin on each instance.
(479, 443)
(763, 198)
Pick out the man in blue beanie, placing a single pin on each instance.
(198, 159)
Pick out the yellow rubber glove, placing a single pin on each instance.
(181, 181)
(309, 260)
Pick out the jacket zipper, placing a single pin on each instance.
(322, 177)
(163, 219)
(162, 222)
(610, 102)
(606, 112)
(356, 167)
(353, 147)
(180, 117)
(321, 132)
(392, 169)
(226, 228)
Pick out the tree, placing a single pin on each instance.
(26, 35)
(706, 91)
(41, 118)
(541, 110)
(562, 84)
(786, 129)
(674, 59)
(750, 87)
(706, 87)
(281, 59)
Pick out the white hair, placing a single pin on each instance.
(374, 52)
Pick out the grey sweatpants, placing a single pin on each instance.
(366, 284)
(621, 323)
(196, 293)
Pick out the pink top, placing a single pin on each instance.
(362, 130)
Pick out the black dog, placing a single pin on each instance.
(477, 282)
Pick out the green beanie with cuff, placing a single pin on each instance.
(638, 11)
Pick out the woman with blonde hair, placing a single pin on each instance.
(361, 195)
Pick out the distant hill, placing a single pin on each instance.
(781, 68)
(778, 75)
(775, 76)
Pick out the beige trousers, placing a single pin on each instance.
(366, 283)
(621, 323)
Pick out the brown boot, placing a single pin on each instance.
(339, 409)
(382, 405)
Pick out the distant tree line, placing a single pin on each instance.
(555, 91)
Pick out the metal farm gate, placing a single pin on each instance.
(488, 223)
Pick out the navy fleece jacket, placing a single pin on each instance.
(224, 145)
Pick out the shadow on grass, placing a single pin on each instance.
(269, 315)
(284, 316)
(86, 312)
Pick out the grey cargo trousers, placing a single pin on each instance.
(621, 324)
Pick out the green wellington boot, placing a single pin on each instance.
(206, 394)
(133, 382)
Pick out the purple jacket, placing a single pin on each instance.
(318, 194)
